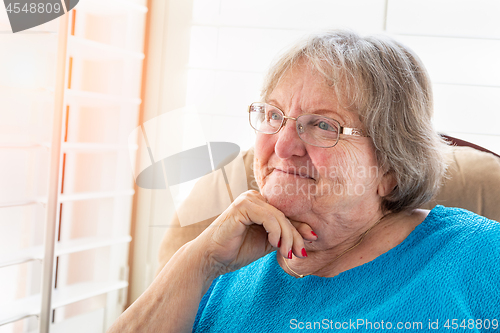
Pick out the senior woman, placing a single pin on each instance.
(345, 154)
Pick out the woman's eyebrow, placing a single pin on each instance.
(322, 112)
(330, 114)
(274, 102)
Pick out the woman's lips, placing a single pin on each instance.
(293, 173)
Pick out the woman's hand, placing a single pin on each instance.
(249, 229)
(246, 231)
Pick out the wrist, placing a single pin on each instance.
(201, 262)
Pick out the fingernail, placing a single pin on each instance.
(304, 253)
(290, 254)
(279, 243)
(314, 234)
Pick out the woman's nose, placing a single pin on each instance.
(288, 143)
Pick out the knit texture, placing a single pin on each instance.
(447, 268)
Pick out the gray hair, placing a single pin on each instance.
(386, 84)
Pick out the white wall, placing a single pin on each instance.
(233, 41)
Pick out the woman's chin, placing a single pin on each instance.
(290, 204)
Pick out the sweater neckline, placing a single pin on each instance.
(381, 260)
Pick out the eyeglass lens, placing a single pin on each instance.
(313, 129)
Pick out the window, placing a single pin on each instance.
(101, 89)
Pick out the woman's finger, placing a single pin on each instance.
(254, 210)
(291, 241)
(305, 230)
(280, 230)
(298, 245)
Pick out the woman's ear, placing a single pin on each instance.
(387, 184)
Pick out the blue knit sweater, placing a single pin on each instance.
(444, 277)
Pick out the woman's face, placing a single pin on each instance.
(309, 183)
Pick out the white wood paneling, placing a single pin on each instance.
(213, 91)
(200, 87)
(456, 60)
(245, 49)
(294, 14)
(248, 84)
(203, 47)
(467, 109)
(206, 12)
(237, 49)
(464, 18)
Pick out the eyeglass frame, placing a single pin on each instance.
(342, 129)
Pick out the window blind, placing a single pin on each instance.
(100, 100)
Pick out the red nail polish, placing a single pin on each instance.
(314, 234)
(290, 254)
(304, 253)
(279, 243)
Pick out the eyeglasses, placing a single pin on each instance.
(313, 129)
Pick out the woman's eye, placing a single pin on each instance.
(275, 116)
(325, 126)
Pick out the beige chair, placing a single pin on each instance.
(472, 182)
